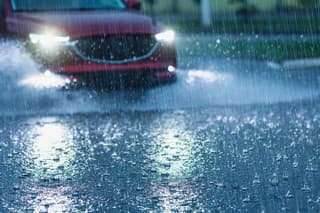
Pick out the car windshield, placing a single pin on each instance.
(54, 5)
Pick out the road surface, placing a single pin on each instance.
(230, 135)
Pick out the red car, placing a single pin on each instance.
(93, 41)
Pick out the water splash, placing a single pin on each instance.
(26, 90)
(209, 82)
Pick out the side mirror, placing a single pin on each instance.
(134, 4)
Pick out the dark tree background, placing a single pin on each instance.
(245, 9)
(309, 3)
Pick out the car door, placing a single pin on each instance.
(2, 22)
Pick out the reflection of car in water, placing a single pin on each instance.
(93, 41)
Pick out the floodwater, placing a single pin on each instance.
(229, 135)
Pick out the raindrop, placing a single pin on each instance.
(274, 180)
(140, 188)
(247, 199)
(285, 176)
(305, 188)
(256, 180)
(16, 187)
(289, 195)
(56, 159)
(220, 185)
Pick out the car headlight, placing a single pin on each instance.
(166, 36)
(48, 40)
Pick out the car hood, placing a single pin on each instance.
(84, 23)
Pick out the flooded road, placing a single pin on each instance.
(230, 135)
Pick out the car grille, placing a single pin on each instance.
(115, 47)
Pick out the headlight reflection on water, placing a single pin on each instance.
(174, 165)
(52, 200)
(52, 148)
(44, 80)
(175, 154)
(53, 153)
(207, 76)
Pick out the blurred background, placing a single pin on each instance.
(270, 30)
(238, 16)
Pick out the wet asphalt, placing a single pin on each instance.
(230, 135)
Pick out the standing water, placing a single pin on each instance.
(238, 131)
(203, 81)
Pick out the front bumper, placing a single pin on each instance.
(119, 75)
